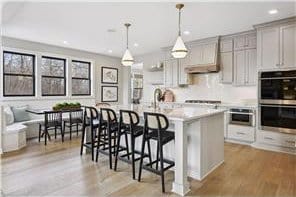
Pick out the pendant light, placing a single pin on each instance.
(127, 59)
(179, 50)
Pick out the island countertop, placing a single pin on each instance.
(174, 114)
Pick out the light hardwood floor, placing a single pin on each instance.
(59, 170)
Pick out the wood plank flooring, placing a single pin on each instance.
(59, 170)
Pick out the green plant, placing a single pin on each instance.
(66, 106)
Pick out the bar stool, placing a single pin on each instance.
(75, 119)
(90, 119)
(107, 140)
(155, 128)
(129, 121)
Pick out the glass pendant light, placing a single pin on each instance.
(179, 50)
(127, 59)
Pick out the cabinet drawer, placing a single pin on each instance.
(277, 139)
(244, 133)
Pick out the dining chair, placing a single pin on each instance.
(155, 128)
(52, 121)
(75, 119)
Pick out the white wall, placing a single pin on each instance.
(97, 60)
(206, 86)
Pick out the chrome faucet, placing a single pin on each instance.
(157, 96)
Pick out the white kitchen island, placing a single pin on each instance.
(199, 142)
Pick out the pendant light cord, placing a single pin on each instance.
(179, 33)
(127, 37)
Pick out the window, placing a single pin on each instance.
(81, 84)
(53, 82)
(18, 74)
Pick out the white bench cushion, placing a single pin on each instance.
(15, 128)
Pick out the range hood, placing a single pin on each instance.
(203, 56)
(196, 69)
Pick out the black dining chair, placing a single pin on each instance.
(155, 128)
(91, 121)
(52, 121)
(129, 124)
(75, 119)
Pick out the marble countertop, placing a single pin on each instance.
(174, 114)
(223, 104)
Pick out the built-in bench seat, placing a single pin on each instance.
(14, 135)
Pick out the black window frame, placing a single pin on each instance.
(55, 77)
(82, 78)
(24, 75)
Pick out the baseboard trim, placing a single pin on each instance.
(274, 148)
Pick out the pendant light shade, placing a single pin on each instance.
(127, 59)
(179, 50)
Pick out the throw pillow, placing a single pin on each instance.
(20, 113)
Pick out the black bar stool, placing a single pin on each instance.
(155, 128)
(129, 121)
(107, 140)
(52, 121)
(75, 119)
(90, 119)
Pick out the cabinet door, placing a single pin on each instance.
(251, 41)
(168, 74)
(239, 43)
(209, 55)
(251, 68)
(287, 46)
(184, 78)
(175, 72)
(268, 48)
(226, 45)
(239, 68)
(226, 64)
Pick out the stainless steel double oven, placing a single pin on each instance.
(277, 101)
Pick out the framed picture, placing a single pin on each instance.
(109, 94)
(109, 75)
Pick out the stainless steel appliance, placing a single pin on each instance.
(240, 116)
(277, 103)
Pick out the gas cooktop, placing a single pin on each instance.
(203, 101)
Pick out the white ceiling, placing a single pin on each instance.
(84, 25)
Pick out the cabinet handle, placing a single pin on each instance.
(268, 138)
(240, 133)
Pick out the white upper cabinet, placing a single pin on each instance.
(287, 46)
(268, 48)
(171, 73)
(276, 46)
(246, 41)
(226, 45)
(226, 65)
(239, 68)
(251, 67)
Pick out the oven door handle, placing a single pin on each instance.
(280, 106)
(241, 113)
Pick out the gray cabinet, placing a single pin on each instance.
(171, 73)
(226, 45)
(245, 72)
(277, 46)
(287, 46)
(226, 65)
(245, 41)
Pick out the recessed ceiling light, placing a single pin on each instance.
(186, 32)
(110, 51)
(111, 30)
(136, 44)
(65, 42)
(273, 11)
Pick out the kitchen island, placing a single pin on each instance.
(199, 141)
